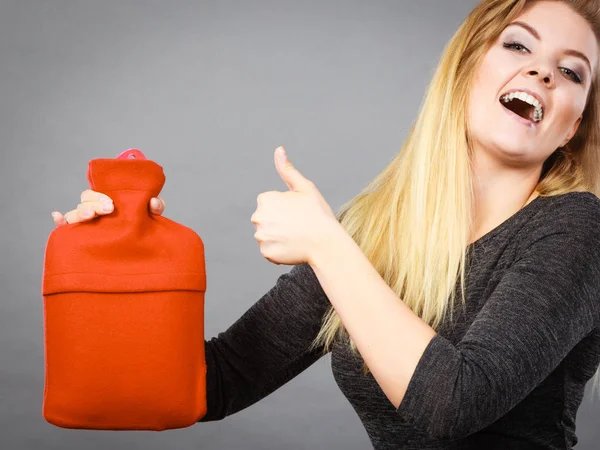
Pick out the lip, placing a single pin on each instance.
(535, 95)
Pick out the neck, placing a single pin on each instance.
(500, 192)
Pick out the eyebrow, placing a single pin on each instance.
(536, 35)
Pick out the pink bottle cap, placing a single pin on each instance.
(132, 153)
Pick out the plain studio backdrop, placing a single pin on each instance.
(207, 89)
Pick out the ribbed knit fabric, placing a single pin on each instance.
(508, 372)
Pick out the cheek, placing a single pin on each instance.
(485, 90)
(491, 78)
(568, 109)
(496, 69)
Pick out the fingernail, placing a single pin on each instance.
(107, 207)
(155, 203)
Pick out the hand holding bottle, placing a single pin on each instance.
(95, 204)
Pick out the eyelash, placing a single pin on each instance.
(570, 73)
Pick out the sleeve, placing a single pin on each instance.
(267, 346)
(545, 303)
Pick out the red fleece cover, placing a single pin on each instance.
(124, 311)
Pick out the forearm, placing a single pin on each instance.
(389, 336)
(267, 346)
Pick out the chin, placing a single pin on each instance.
(508, 148)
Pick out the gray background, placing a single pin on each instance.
(208, 89)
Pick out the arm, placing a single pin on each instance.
(267, 346)
(542, 307)
(546, 302)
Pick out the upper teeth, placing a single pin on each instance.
(538, 112)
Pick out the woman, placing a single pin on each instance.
(494, 196)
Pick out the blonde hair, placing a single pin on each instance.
(413, 221)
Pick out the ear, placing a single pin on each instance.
(572, 132)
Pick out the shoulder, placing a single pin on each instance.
(572, 218)
(567, 212)
(582, 204)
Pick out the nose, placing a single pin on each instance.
(544, 73)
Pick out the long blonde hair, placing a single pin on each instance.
(413, 221)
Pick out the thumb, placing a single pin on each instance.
(288, 173)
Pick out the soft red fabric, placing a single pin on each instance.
(124, 311)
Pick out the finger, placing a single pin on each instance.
(71, 217)
(84, 212)
(89, 210)
(94, 196)
(100, 203)
(157, 205)
(58, 218)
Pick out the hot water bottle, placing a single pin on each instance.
(123, 299)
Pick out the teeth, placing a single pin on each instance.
(538, 113)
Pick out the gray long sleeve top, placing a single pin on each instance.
(508, 372)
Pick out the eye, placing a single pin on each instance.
(572, 75)
(515, 46)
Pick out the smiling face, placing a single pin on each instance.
(531, 89)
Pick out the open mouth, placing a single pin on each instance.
(524, 105)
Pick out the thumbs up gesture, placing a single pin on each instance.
(291, 226)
